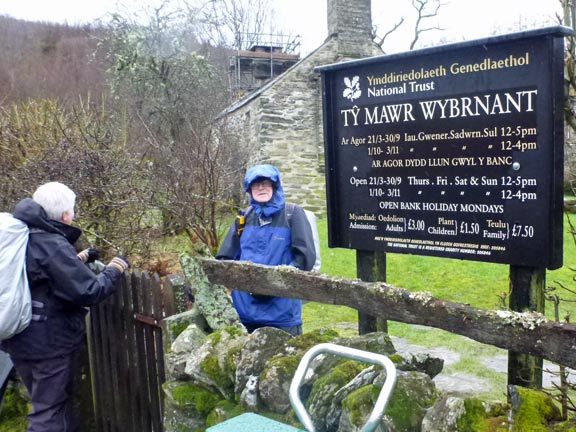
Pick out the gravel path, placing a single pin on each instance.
(465, 384)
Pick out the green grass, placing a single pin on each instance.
(483, 285)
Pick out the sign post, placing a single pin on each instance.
(453, 151)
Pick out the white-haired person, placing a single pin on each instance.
(61, 286)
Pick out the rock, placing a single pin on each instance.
(326, 386)
(454, 414)
(444, 415)
(531, 409)
(174, 325)
(413, 394)
(186, 405)
(190, 339)
(274, 386)
(249, 396)
(421, 362)
(212, 300)
(261, 346)
(176, 359)
(377, 342)
(333, 420)
(213, 364)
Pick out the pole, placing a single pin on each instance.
(371, 267)
(526, 294)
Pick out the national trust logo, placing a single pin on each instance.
(352, 90)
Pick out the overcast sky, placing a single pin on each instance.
(462, 19)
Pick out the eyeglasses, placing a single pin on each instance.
(261, 184)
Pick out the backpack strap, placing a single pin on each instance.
(241, 220)
(289, 211)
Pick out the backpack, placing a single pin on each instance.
(15, 299)
(289, 210)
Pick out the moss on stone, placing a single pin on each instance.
(338, 377)
(404, 411)
(200, 399)
(286, 365)
(308, 340)
(233, 331)
(536, 409)
(223, 411)
(230, 362)
(396, 358)
(211, 367)
(178, 327)
(357, 403)
(214, 338)
(474, 418)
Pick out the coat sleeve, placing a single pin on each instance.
(73, 281)
(303, 247)
(230, 247)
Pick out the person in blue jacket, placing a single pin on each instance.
(270, 237)
(61, 287)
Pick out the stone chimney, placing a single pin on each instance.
(350, 21)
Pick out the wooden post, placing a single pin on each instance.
(526, 294)
(371, 267)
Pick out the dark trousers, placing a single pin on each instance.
(49, 383)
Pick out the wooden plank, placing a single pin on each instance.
(95, 364)
(122, 361)
(168, 301)
(108, 409)
(117, 394)
(113, 390)
(100, 364)
(159, 300)
(149, 342)
(133, 389)
(138, 299)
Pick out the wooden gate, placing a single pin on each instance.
(127, 357)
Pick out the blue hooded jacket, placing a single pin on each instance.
(269, 238)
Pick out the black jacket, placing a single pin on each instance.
(61, 286)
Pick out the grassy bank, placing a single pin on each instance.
(483, 285)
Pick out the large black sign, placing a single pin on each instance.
(454, 151)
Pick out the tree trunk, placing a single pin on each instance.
(528, 333)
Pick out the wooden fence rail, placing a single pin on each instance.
(526, 333)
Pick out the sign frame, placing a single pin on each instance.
(371, 102)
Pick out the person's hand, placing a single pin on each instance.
(120, 263)
(89, 255)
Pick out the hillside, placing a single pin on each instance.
(48, 60)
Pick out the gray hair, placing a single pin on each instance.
(55, 198)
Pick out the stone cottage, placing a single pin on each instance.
(282, 120)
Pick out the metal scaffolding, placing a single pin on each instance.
(267, 56)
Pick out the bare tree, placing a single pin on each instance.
(426, 10)
(237, 24)
(79, 145)
(172, 97)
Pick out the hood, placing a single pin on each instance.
(277, 202)
(33, 215)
